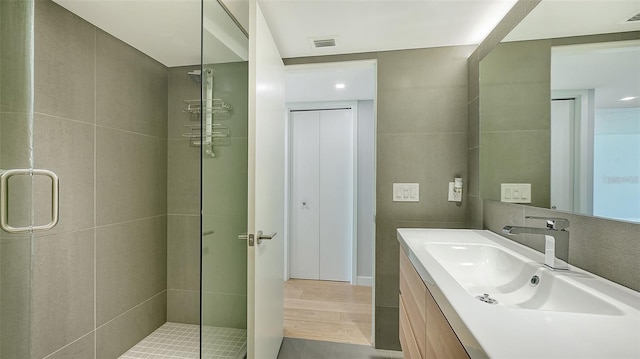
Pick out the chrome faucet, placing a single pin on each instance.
(556, 247)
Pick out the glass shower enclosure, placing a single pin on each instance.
(215, 127)
(223, 141)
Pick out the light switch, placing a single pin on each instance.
(515, 192)
(406, 192)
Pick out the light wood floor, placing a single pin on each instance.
(329, 311)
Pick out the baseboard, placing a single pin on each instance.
(367, 281)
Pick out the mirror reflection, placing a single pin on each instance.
(563, 115)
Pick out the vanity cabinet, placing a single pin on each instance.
(425, 333)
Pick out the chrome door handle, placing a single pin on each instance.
(4, 199)
(260, 236)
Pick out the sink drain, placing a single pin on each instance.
(534, 280)
(487, 299)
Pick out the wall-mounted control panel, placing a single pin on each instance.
(406, 192)
(515, 192)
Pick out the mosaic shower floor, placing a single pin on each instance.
(182, 341)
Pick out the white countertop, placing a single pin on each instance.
(514, 333)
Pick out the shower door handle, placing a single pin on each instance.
(4, 199)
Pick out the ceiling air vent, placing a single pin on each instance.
(635, 17)
(320, 43)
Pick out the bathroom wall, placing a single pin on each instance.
(99, 277)
(224, 201)
(604, 247)
(421, 137)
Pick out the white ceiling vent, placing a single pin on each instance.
(320, 43)
(635, 17)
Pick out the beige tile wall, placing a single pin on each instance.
(99, 277)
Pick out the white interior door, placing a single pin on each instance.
(304, 262)
(265, 290)
(336, 192)
(322, 196)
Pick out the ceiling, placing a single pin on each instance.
(169, 30)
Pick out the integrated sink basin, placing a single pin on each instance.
(498, 276)
(504, 303)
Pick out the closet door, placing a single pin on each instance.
(305, 181)
(322, 194)
(336, 194)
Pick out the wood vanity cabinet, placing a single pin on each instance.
(424, 330)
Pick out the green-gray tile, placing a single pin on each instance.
(224, 257)
(131, 176)
(63, 297)
(131, 265)
(432, 110)
(432, 160)
(67, 148)
(387, 334)
(15, 72)
(119, 335)
(433, 67)
(509, 107)
(15, 297)
(183, 252)
(517, 62)
(181, 88)
(183, 178)
(131, 97)
(183, 306)
(64, 63)
(83, 348)
(515, 157)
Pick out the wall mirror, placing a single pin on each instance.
(560, 110)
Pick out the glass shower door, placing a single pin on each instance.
(16, 152)
(223, 140)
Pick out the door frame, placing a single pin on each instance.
(321, 105)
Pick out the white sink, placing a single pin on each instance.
(500, 277)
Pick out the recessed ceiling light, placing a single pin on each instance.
(340, 86)
(628, 98)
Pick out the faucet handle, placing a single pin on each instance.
(553, 222)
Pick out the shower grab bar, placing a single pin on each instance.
(4, 199)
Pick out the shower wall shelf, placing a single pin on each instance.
(207, 133)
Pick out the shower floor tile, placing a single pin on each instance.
(182, 341)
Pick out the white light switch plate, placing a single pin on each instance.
(515, 192)
(406, 192)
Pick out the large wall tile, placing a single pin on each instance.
(62, 290)
(515, 157)
(83, 348)
(183, 306)
(15, 296)
(131, 265)
(64, 63)
(387, 328)
(183, 252)
(432, 160)
(67, 148)
(434, 67)
(15, 72)
(131, 176)
(181, 88)
(225, 192)
(117, 336)
(132, 91)
(442, 109)
(183, 178)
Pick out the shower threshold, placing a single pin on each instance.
(182, 341)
